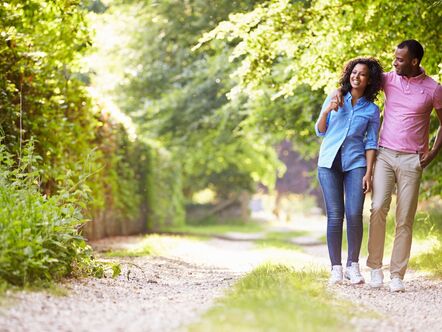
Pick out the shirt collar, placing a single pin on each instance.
(417, 78)
(360, 100)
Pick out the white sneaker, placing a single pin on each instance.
(335, 275)
(353, 274)
(377, 278)
(396, 285)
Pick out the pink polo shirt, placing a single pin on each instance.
(407, 109)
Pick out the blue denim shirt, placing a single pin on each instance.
(353, 129)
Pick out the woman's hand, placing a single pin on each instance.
(333, 106)
(322, 122)
(367, 183)
(337, 94)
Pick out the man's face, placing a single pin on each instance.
(403, 63)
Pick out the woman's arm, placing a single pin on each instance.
(371, 144)
(370, 155)
(322, 122)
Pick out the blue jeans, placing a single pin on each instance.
(337, 184)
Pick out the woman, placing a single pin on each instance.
(346, 160)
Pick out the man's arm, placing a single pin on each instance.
(427, 157)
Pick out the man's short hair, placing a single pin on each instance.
(415, 49)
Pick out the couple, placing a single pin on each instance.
(352, 162)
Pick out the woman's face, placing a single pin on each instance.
(359, 77)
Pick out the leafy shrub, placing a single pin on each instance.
(39, 238)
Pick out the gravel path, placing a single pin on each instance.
(417, 309)
(151, 294)
(168, 293)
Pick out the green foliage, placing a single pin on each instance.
(164, 192)
(116, 191)
(432, 183)
(296, 42)
(286, 118)
(178, 97)
(39, 238)
(428, 223)
(41, 95)
(277, 298)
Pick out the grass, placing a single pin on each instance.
(430, 261)
(216, 229)
(210, 229)
(54, 289)
(280, 240)
(152, 244)
(156, 244)
(277, 298)
(427, 238)
(4, 286)
(271, 238)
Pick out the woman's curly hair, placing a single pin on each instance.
(375, 76)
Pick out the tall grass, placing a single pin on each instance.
(39, 238)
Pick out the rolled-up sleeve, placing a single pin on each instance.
(371, 141)
(324, 106)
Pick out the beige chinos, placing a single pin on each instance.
(404, 170)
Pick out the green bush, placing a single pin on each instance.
(39, 238)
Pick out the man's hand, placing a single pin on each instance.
(426, 158)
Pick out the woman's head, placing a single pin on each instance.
(355, 72)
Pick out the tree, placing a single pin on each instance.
(178, 97)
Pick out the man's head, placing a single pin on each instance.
(408, 56)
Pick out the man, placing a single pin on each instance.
(410, 96)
